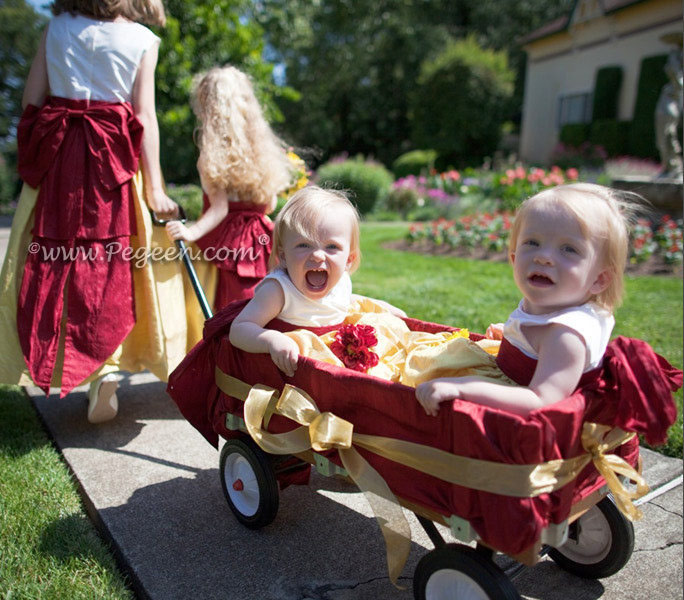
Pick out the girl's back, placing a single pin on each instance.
(89, 59)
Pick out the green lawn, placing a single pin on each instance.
(473, 294)
(50, 550)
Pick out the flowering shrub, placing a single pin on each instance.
(669, 238)
(517, 184)
(300, 175)
(489, 231)
(643, 245)
(584, 155)
(621, 166)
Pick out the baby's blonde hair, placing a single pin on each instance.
(602, 214)
(302, 214)
(239, 152)
(150, 12)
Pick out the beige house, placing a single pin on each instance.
(564, 55)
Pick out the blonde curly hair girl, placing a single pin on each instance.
(239, 152)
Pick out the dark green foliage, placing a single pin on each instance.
(200, 35)
(459, 102)
(574, 134)
(367, 182)
(355, 63)
(6, 183)
(612, 134)
(642, 133)
(606, 93)
(20, 30)
(414, 163)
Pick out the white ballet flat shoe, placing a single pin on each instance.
(102, 401)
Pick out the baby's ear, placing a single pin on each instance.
(350, 259)
(602, 281)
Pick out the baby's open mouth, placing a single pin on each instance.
(316, 279)
(539, 279)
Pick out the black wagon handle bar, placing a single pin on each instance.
(189, 267)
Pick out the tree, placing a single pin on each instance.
(355, 62)
(459, 102)
(20, 31)
(200, 35)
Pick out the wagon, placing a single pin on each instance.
(551, 483)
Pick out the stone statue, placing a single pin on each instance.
(668, 113)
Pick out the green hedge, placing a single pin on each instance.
(460, 101)
(574, 134)
(613, 135)
(414, 162)
(606, 93)
(652, 78)
(367, 182)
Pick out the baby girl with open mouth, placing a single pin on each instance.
(315, 249)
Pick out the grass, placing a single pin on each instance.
(48, 547)
(473, 294)
(50, 550)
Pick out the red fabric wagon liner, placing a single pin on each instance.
(377, 407)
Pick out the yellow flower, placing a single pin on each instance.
(300, 175)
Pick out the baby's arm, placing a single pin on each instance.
(247, 331)
(562, 355)
(217, 211)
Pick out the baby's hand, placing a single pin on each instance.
(177, 231)
(284, 353)
(431, 394)
(495, 331)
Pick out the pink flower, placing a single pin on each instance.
(572, 174)
(352, 345)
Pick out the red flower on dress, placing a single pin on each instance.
(352, 345)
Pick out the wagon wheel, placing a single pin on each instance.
(249, 483)
(455, 571)
(600, 544)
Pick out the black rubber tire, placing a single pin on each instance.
(255, 465)
(488, 581)
(608, 551)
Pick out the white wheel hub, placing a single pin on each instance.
(447, 584)
(594, 540)
(241, 483)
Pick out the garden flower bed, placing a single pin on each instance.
(655, 249)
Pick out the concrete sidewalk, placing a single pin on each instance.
(151, 484)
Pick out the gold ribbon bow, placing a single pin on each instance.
(323, 431)
(598, 440)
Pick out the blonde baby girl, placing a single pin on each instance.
(568, 248)
(315, 250)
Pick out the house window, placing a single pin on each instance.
(574, 108)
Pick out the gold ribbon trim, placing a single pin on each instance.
(600, 439)
(324, 431)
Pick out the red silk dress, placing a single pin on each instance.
(630, 391)
(239, 247)
(77, 281)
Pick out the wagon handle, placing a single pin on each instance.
(189, 267)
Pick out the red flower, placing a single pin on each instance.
(352, 345)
